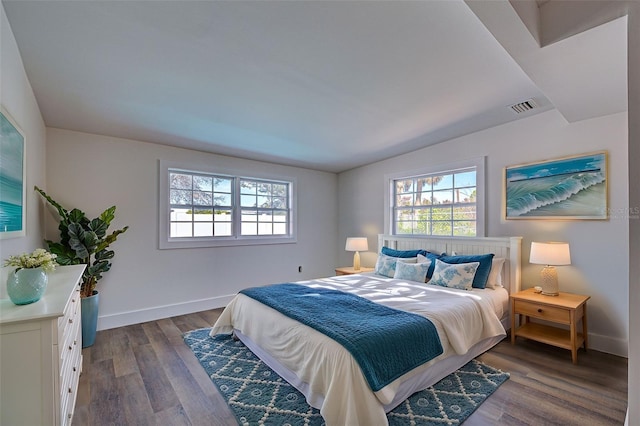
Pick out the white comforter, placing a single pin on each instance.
(333, 380)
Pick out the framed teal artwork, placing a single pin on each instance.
(573, 187)
(12, 178)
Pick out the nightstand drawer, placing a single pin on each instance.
(546, 312)
(348, 270)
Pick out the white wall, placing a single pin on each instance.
(94, 172)
(599, 249)
(17, 98)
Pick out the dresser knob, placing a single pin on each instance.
(70, 348)
(75, 342)
(70, 391)
(69, 416)
(74, 369)
(73, 300)
(539, 310)
(70, 320)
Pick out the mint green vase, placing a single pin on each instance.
(89, 318)
(26, 285)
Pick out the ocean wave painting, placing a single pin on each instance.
(566, 188)
(12, 184)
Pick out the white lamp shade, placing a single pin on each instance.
(357, 244)
(551, 253)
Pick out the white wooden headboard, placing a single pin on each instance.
(507, 247)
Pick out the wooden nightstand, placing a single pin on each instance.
(566, 308)
(348, 270)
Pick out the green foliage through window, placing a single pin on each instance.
(436, 204)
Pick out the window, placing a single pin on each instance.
(265, 207)
(201, 205)
(441, 201)
(203, 208)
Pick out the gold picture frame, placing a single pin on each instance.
(567, 188)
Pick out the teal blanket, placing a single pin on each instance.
(385, 342)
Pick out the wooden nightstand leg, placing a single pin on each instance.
(513, 323)
(585, 331)
(574, 338)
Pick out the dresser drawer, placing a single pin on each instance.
(542, 311)
(71, 315)
(70, 348)
(69, 388)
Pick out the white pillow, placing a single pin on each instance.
(412, 271)
(458, 275)
(495, 275)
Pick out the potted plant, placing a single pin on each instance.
(84, 240)
(28, 281)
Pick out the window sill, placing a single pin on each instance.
(184, 243)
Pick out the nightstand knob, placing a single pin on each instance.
(539, 310)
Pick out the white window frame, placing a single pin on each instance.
(478, 163)
(164, 220)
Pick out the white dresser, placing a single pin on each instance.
(41, 354)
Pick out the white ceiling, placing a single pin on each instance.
(328, 85)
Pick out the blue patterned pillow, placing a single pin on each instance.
(412, 271)
(482, 274)
(386, 265)
(431, 259)
(458, 275)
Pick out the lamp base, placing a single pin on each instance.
(356, 261)
(549, 281)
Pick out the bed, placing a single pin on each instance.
(468, 323)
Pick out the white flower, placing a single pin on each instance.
(40, 258)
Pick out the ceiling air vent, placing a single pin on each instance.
(523, 106)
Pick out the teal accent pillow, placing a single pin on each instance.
(412, 271)
(401, 253)
(456, 275)
(482, 274)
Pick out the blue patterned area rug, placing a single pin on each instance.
(258, 396)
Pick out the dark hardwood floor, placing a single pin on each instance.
(144, 374)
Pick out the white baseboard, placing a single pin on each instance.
(608, 344)
(121, 319)
(600, 342)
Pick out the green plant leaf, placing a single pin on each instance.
(99, 226)
(111, 238)
(104, 255)
(108, 215)
(61, 210)
(77, 241)
(65, 256)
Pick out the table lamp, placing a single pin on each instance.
(356, 244)
(550, 254)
